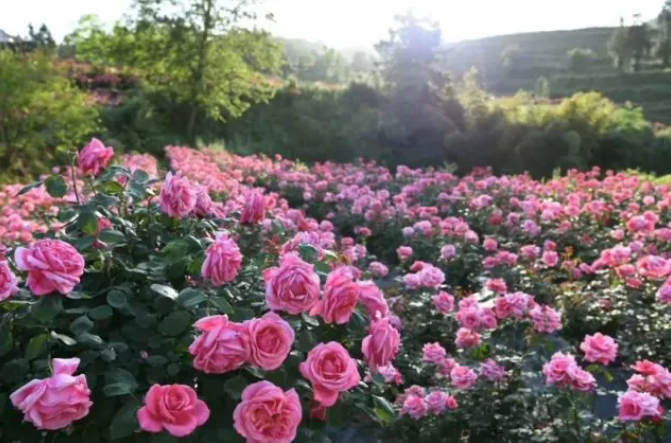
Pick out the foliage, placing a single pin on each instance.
(580, 59)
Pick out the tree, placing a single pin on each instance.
(638, 37)
(42, 39)
(579, 59)
(663, 48)
(618, 46)
(510, 57)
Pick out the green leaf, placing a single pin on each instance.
(234, 387)
(242, 314)
(175, 323)
(165, 291)
(124, 422)
(56, 186)
(306, 341)
(81, 324)
(90, 340)
(14, 371)
(384, 411)
(30, 187)
(101, 313)
(157, 360)
(173, 369)
(111, 236)
(112, 187)
(46, 308)
(6, 341)
(222, 304)
(117, 299)
(119, 382)
(140, 176)
(190, 298)
(88, 222)
(37, 346)
(67, 340)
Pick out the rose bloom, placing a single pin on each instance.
(634, 406)
(580, 379)
(267, 414)
(381, 345)
(222, 261)
(430, 276)
(433, 353)
(467, 338)
(341, 294)
(437, 402)
(404, 252)
(8, 281)
(412, 281)
(497, 285)
(414, 406)
(292, 287)
(447, 252)
(55, 402)
(654, 267)
(463, 377)
(378, 269)
(490, 244)
(222, 347)
(373, 300)
(254, 209)
(52, 265)
(546, 319)
(664, 293)
(331, 370)
(530, 252)
(94, 157)
(174, 408)
(270, 340)
(492, 371)
(443, 302)
(556, 370)
(178, 197)
(204, 203)
(451, 403)
(599, 348)
(469, 317)
(550, 258)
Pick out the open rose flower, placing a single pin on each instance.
(267, 414)
(52, 265)
(55, 402)
(599, 348)
(204, 204)
(634, 406)
(222, 347)
(331, 371)
(341, 294)
(222, 261)
(8, 281)
(173, 408)
(270, 340)
(381, 345)
(373, 300)
(463, 377)
(178, 197)
(292, 287)
(94, 157)
(254, 209)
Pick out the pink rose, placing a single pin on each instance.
(550, 258)
(254, 209)
(467, 338)
(52, 265)
(175, 408)
(331, 370)
(267, 414)
(414, 406)
(204, 203)
(556, 370)
(492, 371)
(490, 244)
(404, 252)
(55, 402)
(223, 346)
(94, 157)
(437, 402)
(599, 348)
(497, 285)
(634, 406)
(373, 300)
(469, 317)
(378, 269)
(431, 277)
(463, 377)
(178, 197)
(580, 379)
(451, 403)
(433, 353)
(341, 294)
(222, 261)
(447, 252)
(443, 302)
(381, 345)
(545, 319)
(270, 340)
(293, 287)
(7, 281)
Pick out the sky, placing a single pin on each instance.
(361, 23)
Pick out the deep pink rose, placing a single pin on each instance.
(381, 345)
(254, 209)
(556, 370)
(267, 414)
(414, 406)
(433, 353)
(7, 281)
(467, 338)
(443, 302)
(270, 340)
(174, 408)
(373, 300)
(634, 406)
(341, 294)
(178, 197)
(463, 377)
(94, 157)
(550, 258)
(293, 287)
(599, 348)
(331, 370)
(52, 265)
(55, 402)
(204, 203)
(222, 347)
(222, 261)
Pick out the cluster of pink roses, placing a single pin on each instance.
(563, 370)
(416, 403)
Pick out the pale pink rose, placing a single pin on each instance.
(654, 267)
(469, 317)
(267, 414)
(378, 269)
(292, 287)
(270, 341)
(580, 379)
(8, 281)
(634, 406)
(467, 338)
(530, 252)
(173, 408)
(414, 406)
(447, 252)
(390, 374)
(463, 377)
(341, 294)
(331, 371)
(222, 261)
(254, 209)
(599, 348)
(381, 345)
(373, 300)
(178, 197)
(408, 232)
(550, 258)
(430, 276)
(412, 281)
(55, 402)
(516, 305)
(52, 265)
(444, 368)
(404, 252)
(556, 370)
(94, 157)
(222, 347)
(664, 293)
(437, 402)
(546, 319)
(443, 302)
(204, 203)
(492, 371)
(433, 353)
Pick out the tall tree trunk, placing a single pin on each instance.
(199, 72)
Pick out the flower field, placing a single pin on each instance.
(221, 298)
